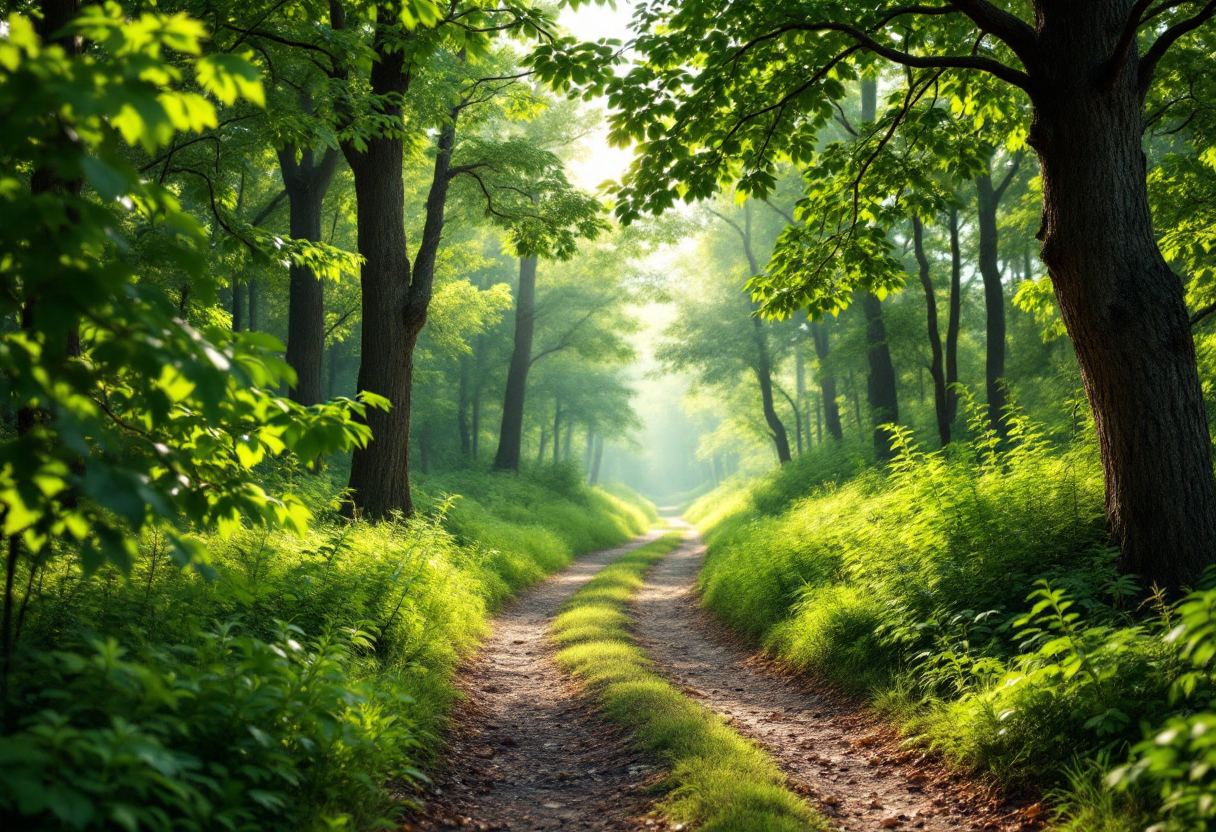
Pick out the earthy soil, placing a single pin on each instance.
(524, 752)
(829, 747)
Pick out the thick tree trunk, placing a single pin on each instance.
(306, 181)
(1123, 306)
(935, 338)
(827, 383)
(396, 296)
(251, 290)
(988, 199)
(880, 385)
(511, 436)
(953, 319)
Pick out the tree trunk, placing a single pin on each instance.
(557, 430)
(800, 394)
(880, 386)
(251, 288)
(597, 460)
(827, 383)
(510, 438)
(462, 411)
(568, 442)
(1124, 308)
(953, 318)
(396, 297)
(764, 375)
(544, 443)
(476, 426)
(988, 199)
(238, 305)
(935, 338)
(306, 182)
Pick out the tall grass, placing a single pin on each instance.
(280, 685)
(970, 595)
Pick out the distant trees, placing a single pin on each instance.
(768, 76)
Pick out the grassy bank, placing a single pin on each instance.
(281, 686)
(715, 779)
(969, 595)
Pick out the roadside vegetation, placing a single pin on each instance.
(285, 682)
(713, 778)
(970, 596)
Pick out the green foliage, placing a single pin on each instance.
(168, 720)
(715, 779)
(906, 587)
(233, 732)
(155, 420)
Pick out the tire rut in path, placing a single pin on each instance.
(848, 764)
(523, 751)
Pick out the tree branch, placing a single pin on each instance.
(1148, 63)
(1014, 31)
(1202, 313)
(1013, 169)
(1130, 26)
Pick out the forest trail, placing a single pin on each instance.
(524, 752)
(848, 764)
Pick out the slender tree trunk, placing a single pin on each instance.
(238, 305)
(988, 199)
(306, 181)
(589, 450)
(861, 430)
(764, 375)
(880, 386)
(800, 393)
(544, 443)
(557, 430)
(597, 460)
(935, 338)
(827, 383)
(462, 411)
(568, 442)
(396, 296)
(476, 426)
(510, 438)
(953, 319)
(1124, 308)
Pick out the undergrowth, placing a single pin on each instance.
(280, 686)
(970, 596)
(716, 780)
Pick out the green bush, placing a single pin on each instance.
(911, 586)
(329, 673)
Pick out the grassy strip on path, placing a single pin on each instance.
(716, 779)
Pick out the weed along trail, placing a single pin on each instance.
(847, 765)
(523, 751)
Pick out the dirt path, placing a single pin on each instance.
(524, 753)
(831, 750)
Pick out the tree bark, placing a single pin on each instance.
(557, 430)
(953, 319)
(396, 296)
(238, 305)
(936, 370)
(988, 199)
(880, 385)
(1123, 306)
(764, 375)
(511, 436)
(597, 460)
(462, 410)
(800, 394)
(827, 383)
(306, 182)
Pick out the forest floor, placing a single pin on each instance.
(526, 753)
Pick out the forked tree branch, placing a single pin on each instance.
(1148, 63)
